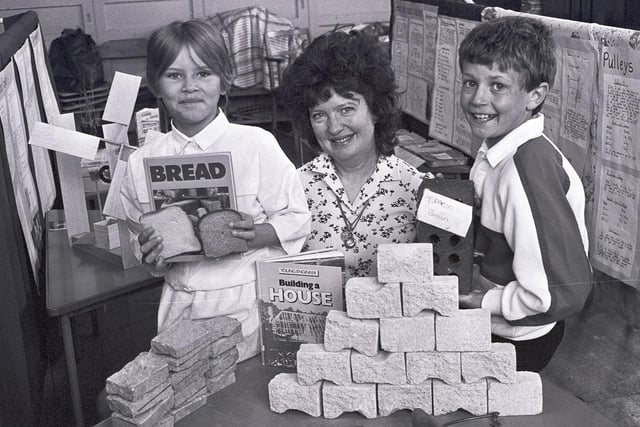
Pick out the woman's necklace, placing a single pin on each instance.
(349, 226)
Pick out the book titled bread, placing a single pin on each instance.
(193, 200)
(296, 293)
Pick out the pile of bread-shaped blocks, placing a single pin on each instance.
(403, 343)
(187, 363)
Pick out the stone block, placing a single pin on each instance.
(442, 365)
(182, 337)
(196, 387)
(136, 407)
(450, 397)
(498, 363)
(285, 393)
(342, 332)
(314, 363)
(178, 379)
(224, 344)
(440, 294)
(138, 377)
(404, 262)
(337, 399)
(366, 298)
(392, 398)
(385, 367)
(189, 407)
(466, 330)
(221, 363)
(222, 380)
(187, 361)
(524, 397)
(149, 418)
(408, 333)
(452, 254)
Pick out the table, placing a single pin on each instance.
(246, 404)
(77, 282)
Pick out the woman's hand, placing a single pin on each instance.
(151, 248)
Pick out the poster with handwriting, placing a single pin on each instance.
(41, 159)
(18, 159)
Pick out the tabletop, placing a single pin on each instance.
(76, 279)
(246, 404)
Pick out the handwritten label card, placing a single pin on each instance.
(64, 140)
(445, 213)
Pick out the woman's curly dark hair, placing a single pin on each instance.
(348, 63)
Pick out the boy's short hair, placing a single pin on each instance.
(520, 43)
(206, 41)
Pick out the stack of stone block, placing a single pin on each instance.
(403, 343)
(187, 363)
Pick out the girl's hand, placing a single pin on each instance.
(244, 229)
(151, 248)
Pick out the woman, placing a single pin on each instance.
(342, 97)
(188, 69)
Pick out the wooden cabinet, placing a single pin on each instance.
(108, 20)
(55, 16)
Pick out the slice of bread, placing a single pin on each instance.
(176, 229)
(215, 234)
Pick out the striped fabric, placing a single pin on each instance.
(246, 33)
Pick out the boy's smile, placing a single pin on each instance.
(494, 101)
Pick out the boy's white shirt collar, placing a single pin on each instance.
(530, 129)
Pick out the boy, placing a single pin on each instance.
(532, 232)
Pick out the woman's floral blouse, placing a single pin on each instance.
(389, 199)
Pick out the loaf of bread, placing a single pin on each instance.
(215, 234)
(176, 229)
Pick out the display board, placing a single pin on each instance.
(591, 113)
(26, 191)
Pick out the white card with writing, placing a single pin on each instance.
(64, 140)
(445, 213)
(122, 98)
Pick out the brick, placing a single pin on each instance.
(166, 421)
(524, 397)
(452, 254)
(438, 294)
(222, 380)
(366, 298)
(189, 407)
(408, 333)
(392, 398)
(466, 330)
(223, 362)
(187, 361)
(138, 377)
(224, 344)
(442, 365)
(286, 393)
(404, 262)
(470, 397)
(388, 368)
(498, 363)
(314, 363)
(189, 391)
(342, 332)
(182, 337)
(147, 419)
(197, 370)
(146, 402)
(337, 399)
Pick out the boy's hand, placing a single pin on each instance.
(151, 248)
(471, 300)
